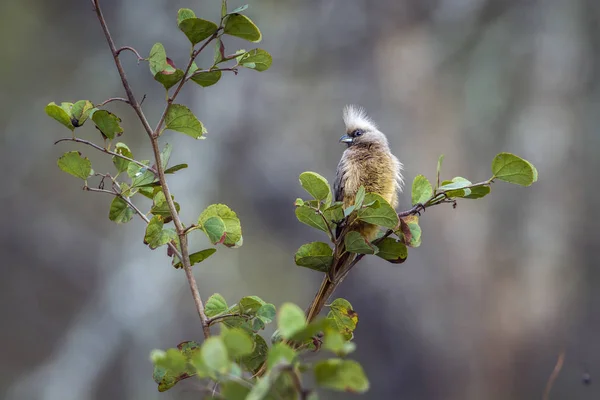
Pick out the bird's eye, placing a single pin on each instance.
(357, 132)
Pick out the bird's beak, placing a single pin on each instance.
(346, 139)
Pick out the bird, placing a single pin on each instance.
(367, 161)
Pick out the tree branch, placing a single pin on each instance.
(105, 102)
(554, 374)
(102, 149)
(134, 51)
(153, 136)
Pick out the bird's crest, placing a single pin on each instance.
(355, 117)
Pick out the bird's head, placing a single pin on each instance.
(360, 129)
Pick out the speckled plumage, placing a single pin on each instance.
(369, 162)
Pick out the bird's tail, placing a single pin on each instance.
(327, 287)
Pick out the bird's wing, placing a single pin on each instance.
(338, 188)
(338, 185)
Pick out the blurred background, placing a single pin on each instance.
(480, 311)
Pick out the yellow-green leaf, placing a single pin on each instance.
(73, 163)
(241, 26)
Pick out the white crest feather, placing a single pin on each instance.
(356, 117)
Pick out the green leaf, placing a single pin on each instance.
(196, 29)
(169, 77)
(161, 207)
(184, 13)
(342, 375)
(239, 9)
(309, 331)
(392, 250)
(80, 112)
(214, 227)
(456, 188)
(169, 368)
(334, 341)
(335, 212)
(165, 155)
(120, 212)
(315, 185)
(360, 197)
(249, 305)
(233, 390)
(73, 163)
(206, 78)
(254, 361)
(344, 316)
(140, 176)
(238, 343)
(314, 255)
(478, 192)
(280, 352)
(513, 169)
(421, 190)
(215, 305)
(223, 8)
(157, 60)
(121, 164)
(308, 216)
(156, 236)
(215, 355)
(379, 212)
(175, 168)
(107, 123)
(179, 118)
(241, 26)
(410, 230)
(439, 168)
(59, 114)
(256, 59)
(219, 52)
(266, 313)
(290, 320)
(356, 243)
(198, 257)
(233, 228)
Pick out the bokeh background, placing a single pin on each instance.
(480, 311)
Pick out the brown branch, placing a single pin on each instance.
(557, 367)
(153, 136)
(102, 149)
(134, 51)
(105, 102)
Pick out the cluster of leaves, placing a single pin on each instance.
(218, 221)
(402, 231)
(239, 353)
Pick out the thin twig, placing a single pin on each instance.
(133, 207)
(102, 149)
(153, 136)
(557, 367)
(134, 51)
(113, 99)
